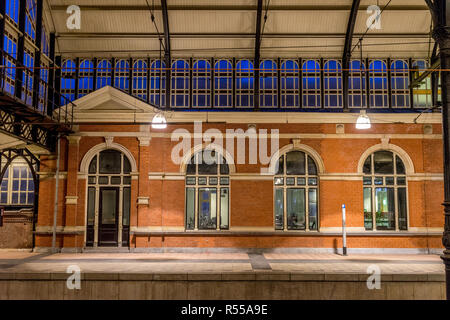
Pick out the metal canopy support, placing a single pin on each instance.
(257, 54)
(2, 30)
(37, 54)
(20, 50)
(346, 55)
(51, 105)
(440, 11)
(167, 57)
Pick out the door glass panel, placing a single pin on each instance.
(385, 208)
(368, 222)
(367, 169)
(126, 207)
(402, 217)
(110, 161)
(207, 207)
(383, 162)
(93, 165)
(224, 203)
(295, 163)
(279, 208)
(126, 165)
(109, 201)
(312, 169)
(279, 168)
(190, 208)
(296, 209)
(91, 206)
(312, 208)
(399, 164)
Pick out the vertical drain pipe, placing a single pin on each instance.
(55, 209)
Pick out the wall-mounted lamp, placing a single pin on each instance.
(159, 121)
(363, 121)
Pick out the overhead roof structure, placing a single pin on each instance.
(201, 28)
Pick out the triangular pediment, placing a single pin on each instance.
(109, 99)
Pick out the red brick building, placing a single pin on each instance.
(119, 185)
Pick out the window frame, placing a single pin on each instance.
(394, 186)
(296, 185)
(198, 186)
(9, 189)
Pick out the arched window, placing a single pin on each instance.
(296, 192)
(378, 85)
(68, 81)
(30, 19)
(422, 93)
(332, 84)
(357, 85)
(385, 195)
(244, 84)
(207, 191)
(180, 84)
(121, 75)
(268, 84)
(223, 84)
(104, 71)
(311, 84)
(201, 84)
(289, 84)
(12, 11)
(17, 185)
(108, 199)
(85, 78)
(140, 79)
(158, 83)
(400, 84)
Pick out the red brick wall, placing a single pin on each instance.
(252, 199)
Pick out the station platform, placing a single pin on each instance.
(203, 276)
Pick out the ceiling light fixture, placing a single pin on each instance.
(159, 121)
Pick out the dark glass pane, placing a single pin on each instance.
(207, 210)
(279, 209)
(115, 180)
(367, 169)
(295, 163)
(301, 181)
(190, 208)
(400, 166)
(312, 208)
(202, 181)
(126, 206)
(368, 222)
(93, 165)
(108, 206)
(126, 180)
(378, 181)
(296, 207)
(224, 181)
(91, 206)
(312, 169)
(312, 181)
(290, 181)
(389, 181)
(191, 166)
(126, 165)
(91, 180)
(213, 180)
(401, 181)
(224, 167)
(30, 198)
(102, 180)
(383, 162)
(402, 216)
(279, 169)
(279, 181)
(190, 181)
(224, 208)
(385, 208)
(367, 180)
(207, 162)
(110, 161)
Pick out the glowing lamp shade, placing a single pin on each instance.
(363, 121)
(159, 121)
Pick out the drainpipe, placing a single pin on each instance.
(55, 209)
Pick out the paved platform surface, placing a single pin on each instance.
(27, 262)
